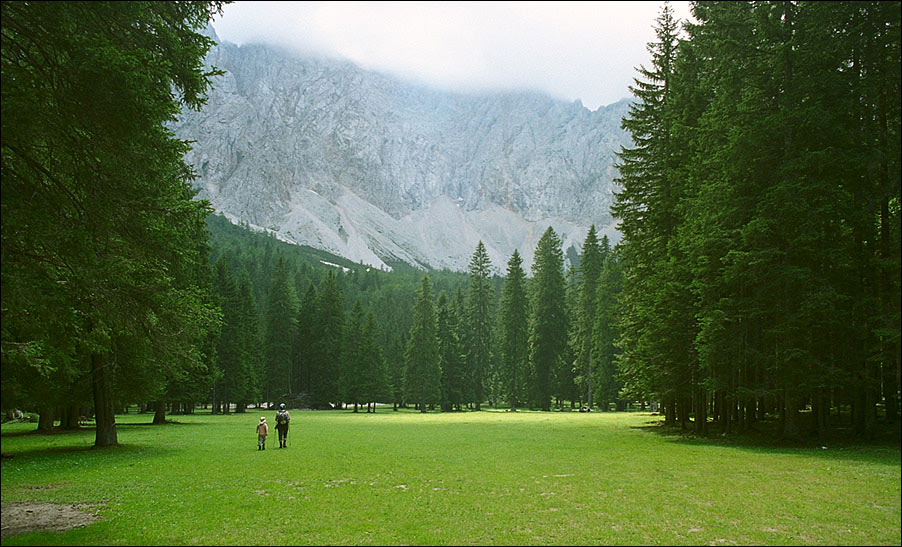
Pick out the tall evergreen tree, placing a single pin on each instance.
(326, 343)
(229, 357)
(548, 319)
(377, 382)
(99, 228)
(354, 359)
(302, 351)
(479, 323)
(590, 269)
(423, 375)
(565, 375)
(746, 225)
(514, 333)
(247, 388)
(450, 356)
(281, 322)
(604, 334)
(657, 358)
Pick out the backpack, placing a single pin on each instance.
(282, 417)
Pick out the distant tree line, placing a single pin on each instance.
(439, 340)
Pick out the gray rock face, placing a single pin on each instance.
(365, 166)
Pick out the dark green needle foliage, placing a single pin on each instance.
(102, 244)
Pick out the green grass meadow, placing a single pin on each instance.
(490, 477)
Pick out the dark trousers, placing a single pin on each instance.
(283, 434)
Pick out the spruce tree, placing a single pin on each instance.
(658, 354)
(247, 386)
(229, 358)
(514, 333)
(423, 374)
(326, 344)
(450, 357)
(354, 359)
(604, 334)
(302, 350)
(479, 323)
(377, 382)
(548, 319)
(100, 234)
(281, 322)
(590, 269)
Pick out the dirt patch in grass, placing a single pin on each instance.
(33, 517)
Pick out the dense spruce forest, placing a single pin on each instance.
(760, 216)
(304, 326)
(758, 278)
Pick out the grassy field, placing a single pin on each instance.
(465, 478)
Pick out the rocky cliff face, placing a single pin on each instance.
(365, 166)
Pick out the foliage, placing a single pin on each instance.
(102, 245)
(548, 320)
(422, 377)
(760, 217)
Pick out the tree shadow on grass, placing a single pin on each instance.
(26, 454)
(23, 454)
(764, 437)
(57, 430)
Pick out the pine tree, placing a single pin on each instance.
(100, 234)
(229, 358)
(479, 323)
(548, 319)
(423, 375)
(302, 350)
(377, 383)
(565, 374)
(604, 334)
(450, 357)
(658, 357)
(515, 333)
(326, 344)
(247, 385)
(281, 322)
(590, 269)
(354, 359)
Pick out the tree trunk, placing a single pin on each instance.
(105, 431)
(69, 419)
(159, 415)
(790, 416)
(46, 418)
(819, 414)
(669, 412)
(701, 417)
(726, 416)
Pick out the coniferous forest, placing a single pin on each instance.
(757, 279)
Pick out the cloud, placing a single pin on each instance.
(570, 50)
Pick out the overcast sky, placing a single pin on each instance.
(569, 50)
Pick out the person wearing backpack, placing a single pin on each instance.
(282, 419)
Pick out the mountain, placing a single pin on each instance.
(377, 170)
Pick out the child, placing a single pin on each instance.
(262, 432)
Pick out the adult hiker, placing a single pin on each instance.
(282, 419)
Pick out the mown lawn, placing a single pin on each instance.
(467, 478)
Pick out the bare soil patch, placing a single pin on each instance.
(22, 517)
